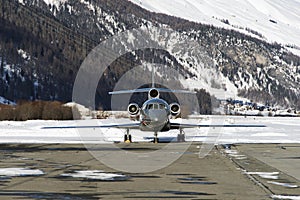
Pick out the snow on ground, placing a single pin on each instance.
(81, 109)
(96, 175)
(24, 54)
(276, 20)
(285, 197)
(265, 175)
(12, 172)
(278, 130)
(288, 185)
(235, 154)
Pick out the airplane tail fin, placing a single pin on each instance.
(153, 91)
(152, 77)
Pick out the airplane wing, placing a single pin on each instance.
(178, 125)
(124, 126)
(140, 90)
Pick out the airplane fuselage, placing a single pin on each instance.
(155, 116)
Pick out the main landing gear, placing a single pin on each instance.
(181, 136)
(155, 138)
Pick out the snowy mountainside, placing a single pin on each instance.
(272, 20)
(237, 64)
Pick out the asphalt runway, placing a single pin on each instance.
(245, 171)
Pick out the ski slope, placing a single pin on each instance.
(277, 20)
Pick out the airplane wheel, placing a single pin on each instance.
(183, 137)
(180, 138)
(156, 140)
(127, 139)
(130, 138)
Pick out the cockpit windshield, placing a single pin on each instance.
(155, 106)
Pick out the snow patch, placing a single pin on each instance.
(265, 175)
(56, 3)
(89, 5)
(96, 175)
(12, 172)
(81, 109)
(6, 101)
(235, 154)
(22, 2)
(285, 197)
(288, 185)
(24, 54)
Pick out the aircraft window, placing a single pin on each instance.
(150, 106)
(161, 106)
(156, 106)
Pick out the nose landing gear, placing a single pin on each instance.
(127, 137)
(155, 138)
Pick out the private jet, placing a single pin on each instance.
(155, 114)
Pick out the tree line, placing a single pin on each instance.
(33, 110)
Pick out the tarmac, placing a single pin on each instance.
(242, 171)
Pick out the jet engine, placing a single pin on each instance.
(133, 109)
(175, 109)
(153, 93)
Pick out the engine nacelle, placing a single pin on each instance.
(133, 109)
(153, 93)
(175, 109)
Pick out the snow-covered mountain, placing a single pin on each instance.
(272, 20)
(56, 35)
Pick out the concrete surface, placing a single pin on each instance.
(223, 174)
